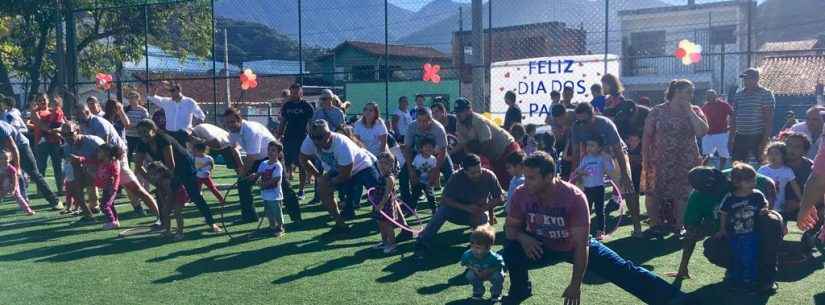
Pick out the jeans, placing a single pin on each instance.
(404, 178)
(443, 214)
(743, 265)
(419, 188)
(769, 228)
(48, 150)
(190, 183)
(354, 188)
(497, 281)
(595, 196)
(29, 165)
(602, 261)
(245, 195)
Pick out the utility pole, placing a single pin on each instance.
(226, 68)
(478, 58)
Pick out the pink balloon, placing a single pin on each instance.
(696, 57)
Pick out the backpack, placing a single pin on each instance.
(709, 180)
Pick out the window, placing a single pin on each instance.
(724, 34)
(650, 43)
(362, 73)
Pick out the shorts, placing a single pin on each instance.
(717, 143)
(292, 150)
(127, 176)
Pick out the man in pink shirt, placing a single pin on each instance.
(549, 222)
(717, 111)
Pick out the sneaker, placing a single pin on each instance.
(390, 249)
(378, 246)
(278, 233)
(30, 213)
(177, 237)
(404, 236)
(156, 226)
(768, 289)
(58, 206)
(477, 297)
(495, 299)
(216, 229)
(95, 211)
(301, 195)
(111, 225)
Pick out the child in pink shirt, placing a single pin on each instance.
(107, 178)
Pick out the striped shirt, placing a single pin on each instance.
(748, 110)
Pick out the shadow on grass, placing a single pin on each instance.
(819, 299)
(447, 251)
(246, 259)
(719, 294)
(457, 280)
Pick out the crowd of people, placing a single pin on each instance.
(554, 180)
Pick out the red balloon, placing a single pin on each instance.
(680, 53)
(696, 57)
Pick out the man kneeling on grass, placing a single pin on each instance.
(548, 222)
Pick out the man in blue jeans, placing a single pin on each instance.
(548, 222)
(347, 167)
(469, 194)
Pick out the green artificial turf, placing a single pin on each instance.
(46, 259)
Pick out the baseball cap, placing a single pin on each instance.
(750, 73)
(461, 104)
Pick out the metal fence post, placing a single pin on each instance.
(214, 69)
(386, 61)
(146, 43)
(300, 46)
(606, 32)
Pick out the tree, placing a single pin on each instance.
(109, 32)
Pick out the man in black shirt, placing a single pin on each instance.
(630, 122)
(513, 112)
(295, 115)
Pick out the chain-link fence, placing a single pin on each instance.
(381, 50)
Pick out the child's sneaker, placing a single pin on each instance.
(111, 225)
(30, 213)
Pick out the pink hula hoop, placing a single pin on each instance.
(374, 201)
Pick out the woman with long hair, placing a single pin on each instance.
(613, 89)
(371, 130)
(669, 152)
(114, 113)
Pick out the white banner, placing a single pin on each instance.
(533, 79)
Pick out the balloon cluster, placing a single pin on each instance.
(689, 52)
(103, 81)
(431, 73)
(248, 80)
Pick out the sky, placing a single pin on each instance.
(415, 5)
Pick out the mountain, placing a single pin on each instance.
(432, 13)
(250, 41)
(788, 20)
(588, 14)
(325, 23)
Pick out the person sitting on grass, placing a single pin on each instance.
(738, 215)
(483, 264)
(549, 222)
(469, 194)
(423, 164)
(9, 183)
(388, 204)
(269, 174)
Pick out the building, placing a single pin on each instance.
(796, 81)
(519, 42)
(364, 61)
(651, 36)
